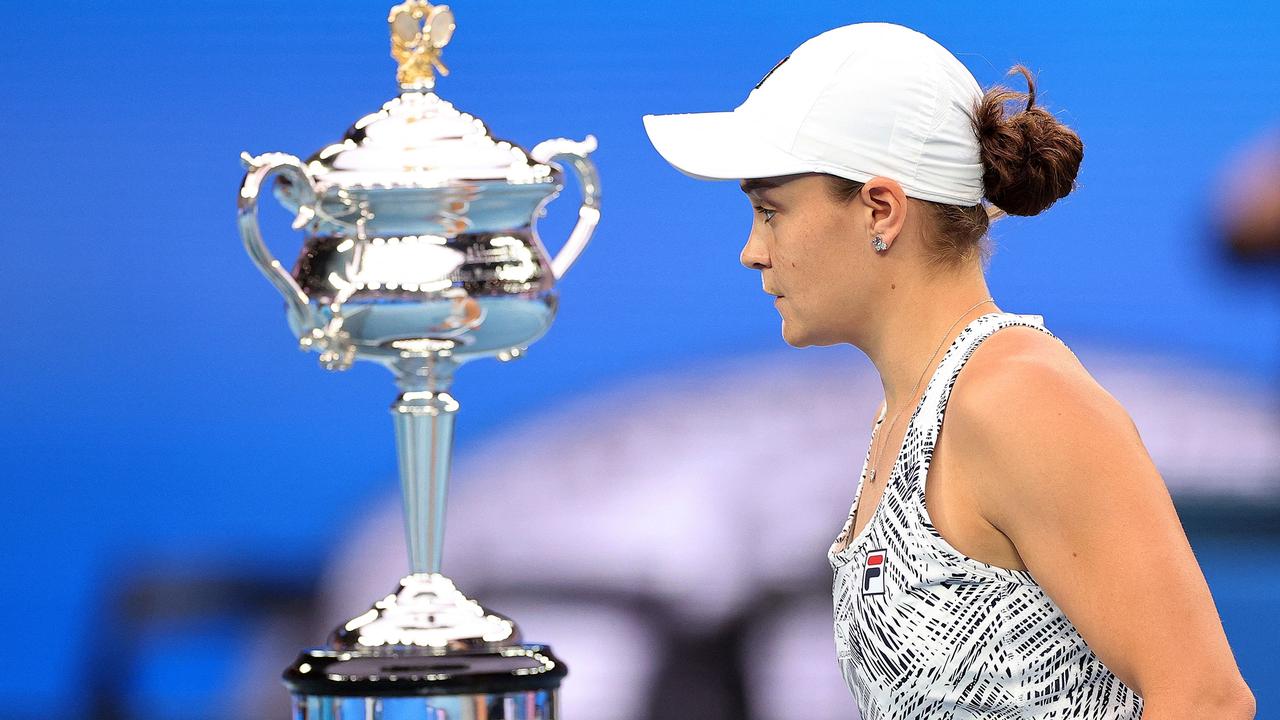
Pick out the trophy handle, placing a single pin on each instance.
(259, 168)
(575, 154)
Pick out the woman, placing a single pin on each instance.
(1041, 572)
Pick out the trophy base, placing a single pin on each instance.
(538, 705)
(517, 682)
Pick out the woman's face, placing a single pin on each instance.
(813, 251)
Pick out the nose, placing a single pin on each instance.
(755, 255)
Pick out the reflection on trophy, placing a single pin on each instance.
(421, 254)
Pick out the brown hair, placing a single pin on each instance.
(1029, 159)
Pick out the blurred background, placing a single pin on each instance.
(190, 500)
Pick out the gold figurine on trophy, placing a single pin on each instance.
(419, 31)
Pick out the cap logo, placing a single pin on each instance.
(775, 67)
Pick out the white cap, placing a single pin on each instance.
(857, 101)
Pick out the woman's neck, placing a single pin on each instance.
(920, 324)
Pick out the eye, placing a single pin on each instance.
(767, 213)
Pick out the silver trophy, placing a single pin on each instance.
(421, 254)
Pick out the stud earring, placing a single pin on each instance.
(878, 243)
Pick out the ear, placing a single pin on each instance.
(886, 208)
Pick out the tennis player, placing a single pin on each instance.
(1028, 562)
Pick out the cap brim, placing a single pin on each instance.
(718, 146)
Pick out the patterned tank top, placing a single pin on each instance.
(924, 631)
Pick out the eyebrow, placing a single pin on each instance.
(755, 185)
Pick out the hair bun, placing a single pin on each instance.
(1029, 158)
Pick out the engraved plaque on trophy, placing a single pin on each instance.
(421, 254)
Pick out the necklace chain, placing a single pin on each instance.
(871, 476)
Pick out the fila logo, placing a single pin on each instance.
(873, 573)
(775, 67)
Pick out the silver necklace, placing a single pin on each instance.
(871, 477)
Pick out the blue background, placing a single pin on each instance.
(155, 409)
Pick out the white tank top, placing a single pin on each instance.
(923, 631)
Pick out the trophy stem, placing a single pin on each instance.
(424, 414)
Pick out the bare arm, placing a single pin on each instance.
(1059, 468)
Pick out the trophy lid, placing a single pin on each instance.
(418, 140)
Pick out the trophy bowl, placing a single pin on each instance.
(421, 253)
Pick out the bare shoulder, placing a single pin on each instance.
(1021, 373)
(1019, 349)
(1031, 420)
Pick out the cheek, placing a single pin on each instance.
(818, 257)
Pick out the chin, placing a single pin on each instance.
(797, 338)
(800, 337)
